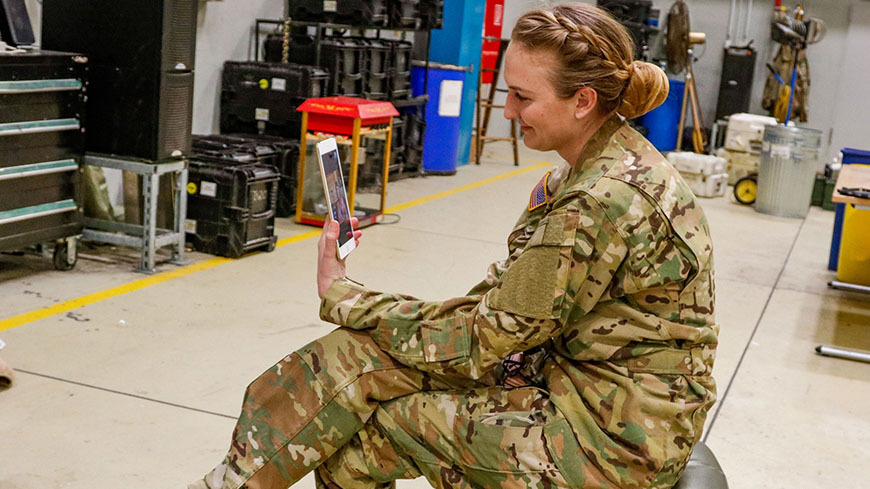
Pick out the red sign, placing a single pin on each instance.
(493, 21)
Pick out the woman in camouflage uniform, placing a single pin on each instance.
(582, 360)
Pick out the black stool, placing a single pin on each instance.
(702, 471)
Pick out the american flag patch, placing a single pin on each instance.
(539, 194)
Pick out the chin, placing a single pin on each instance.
(534, 143)
(528, 139)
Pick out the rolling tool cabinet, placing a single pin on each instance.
(42, 96)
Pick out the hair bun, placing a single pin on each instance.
(647, 89)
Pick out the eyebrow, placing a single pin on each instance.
(519, 89)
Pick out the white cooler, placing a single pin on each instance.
(745, 131)
(705, 174)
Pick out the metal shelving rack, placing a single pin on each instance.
(146, 237)
(320, 27)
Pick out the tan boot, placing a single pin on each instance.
(6, 375)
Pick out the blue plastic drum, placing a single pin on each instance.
(441, 146)
(663, 121)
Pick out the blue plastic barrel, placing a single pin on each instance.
(441, 146)
(663, 121)
(851, 156)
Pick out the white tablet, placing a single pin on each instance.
(336, 197)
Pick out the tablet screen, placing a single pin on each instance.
(337, 195)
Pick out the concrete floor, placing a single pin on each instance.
(133, 381)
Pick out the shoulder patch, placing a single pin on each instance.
(541, 194)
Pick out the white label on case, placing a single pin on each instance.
(209, 189)
(261, 114)
(279, 84)
(190, 226)
(450, 98)
(330, 5)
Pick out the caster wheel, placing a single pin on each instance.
(746, 189)
(61, 258)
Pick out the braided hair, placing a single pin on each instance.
(593, 50)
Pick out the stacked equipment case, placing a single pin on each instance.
(280, 153)
(376, 69)
(399, 14)
(261, 97)
(42, 97)
(232, 200)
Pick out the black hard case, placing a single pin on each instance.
(249, 86)
(282, 153)
(362, 13)
(240, 217)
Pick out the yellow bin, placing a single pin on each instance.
(854, 265)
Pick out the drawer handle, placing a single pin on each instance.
(24, 171)
(39, 86)
(33, 127)
(35, 211)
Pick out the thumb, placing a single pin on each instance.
(330, 235)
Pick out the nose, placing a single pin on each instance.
(510, 108)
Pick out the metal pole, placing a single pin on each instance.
(180, 216)
(354, 163)
(832, 351)
(387, 153)
(150, 195)
(300, 170)
(746, 25)
(793, 81)
(730, 23)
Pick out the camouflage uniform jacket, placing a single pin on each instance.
(613, 274)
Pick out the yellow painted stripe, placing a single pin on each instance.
(298, 238)
(481, 183)
(86, 300)
(109, 293)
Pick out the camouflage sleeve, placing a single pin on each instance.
(560, 275)
(493, 277)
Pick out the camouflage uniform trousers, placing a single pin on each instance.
(344, 406)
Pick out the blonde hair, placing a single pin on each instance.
(593, 50)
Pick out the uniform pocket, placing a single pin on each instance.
(504, 442)
(439, 341)
(445, 340)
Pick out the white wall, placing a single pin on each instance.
(850, 124)
(826, 59)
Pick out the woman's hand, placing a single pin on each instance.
(329, 267)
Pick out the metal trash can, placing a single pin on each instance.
(789, 160)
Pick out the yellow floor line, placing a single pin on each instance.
(102, 295)
(446, 193)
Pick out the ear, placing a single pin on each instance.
(585, 100)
